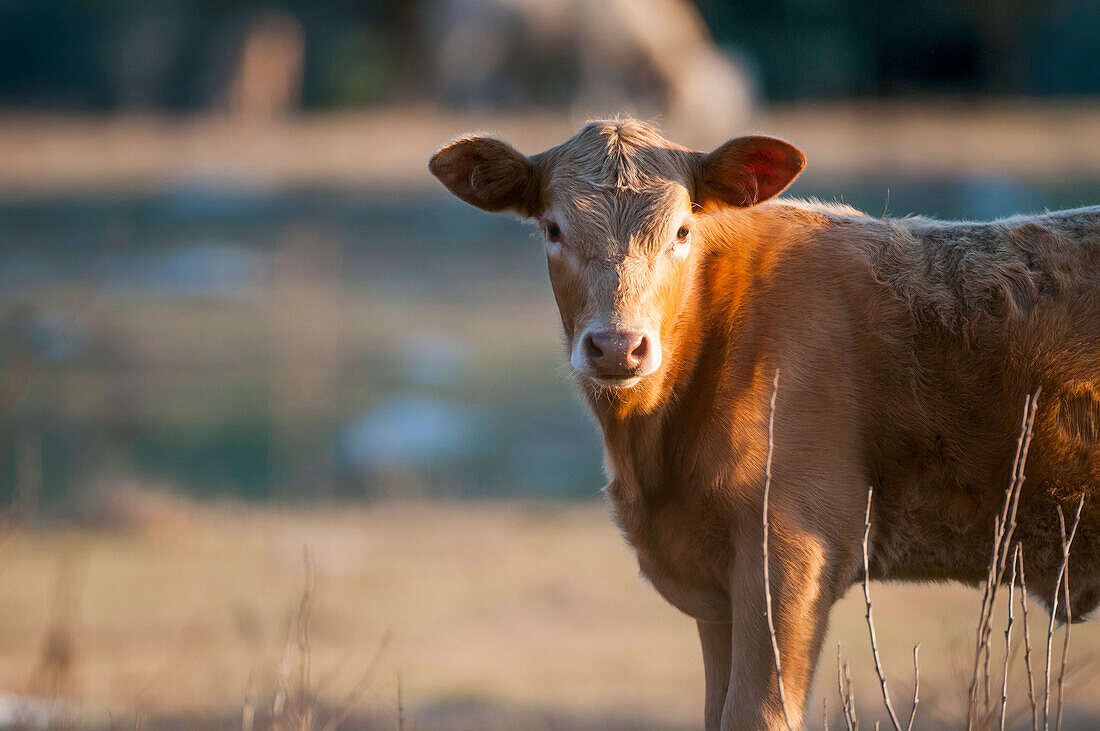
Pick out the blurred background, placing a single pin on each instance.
(280, 419)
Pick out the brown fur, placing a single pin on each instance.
(905, 347)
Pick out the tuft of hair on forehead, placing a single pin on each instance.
(618, 155)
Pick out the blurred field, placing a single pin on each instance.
(241, 325)
(500, 614)
(290, 311)
(295, 307)
(387, 150)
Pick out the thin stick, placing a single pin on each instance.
(306, 695)
(1053, 612)
(851, 694)
(344, 708)
(1008, 635)
(282, 682)
(825, 713)
(1065, 649)
(916, 686)
(1003, 528)
(870, 614)
(767, 583)
(297, 636)
(983, 638)
(1069, 606)
(1054, 604)
(1027, 643)
(248, 714)
(844, 704)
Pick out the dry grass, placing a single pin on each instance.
(502, 605)
(499, 614)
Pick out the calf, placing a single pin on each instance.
(906, 348)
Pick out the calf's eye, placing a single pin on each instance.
(682, 233)
(553, 232)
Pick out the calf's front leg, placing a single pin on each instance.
(715, 638)
(801, 598)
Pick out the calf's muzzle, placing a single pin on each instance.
(612, 355)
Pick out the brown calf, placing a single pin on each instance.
(906, 349)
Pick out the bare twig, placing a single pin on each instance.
(344, 709)
(845, 699)
(287, 702)
(400, 706)
(1050, 625)
(870, 614)
(1065, 644)
(282, 682)
(851, 695)
(1008, 635)
(825, 713)
(916, 686)
(1069, 607)
(305, 611)
(767, 583)
(987, 713)
(1003, 527)
(1027, 643)
(248, 715)
(1066, 544)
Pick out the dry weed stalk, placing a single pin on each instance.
(295, 703)
(1003, 527)
(874, 637)
(916, 686)
(1003, 555)
(344, 709)
(870, 615)
(297, 708)
(1063, 572)
(248, 714)
(851, 695)
(55, 676)
(1065, 636)
(1008, 635)
(764, 542)
(847, 696)
(1027, 643)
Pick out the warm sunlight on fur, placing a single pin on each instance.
(908, 347)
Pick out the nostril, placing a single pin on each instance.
(592, 351)
(616, 354)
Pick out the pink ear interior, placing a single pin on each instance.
(749, 170)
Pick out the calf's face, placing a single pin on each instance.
(617, 205)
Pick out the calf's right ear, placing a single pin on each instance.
(489, 174)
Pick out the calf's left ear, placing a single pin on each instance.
(745, 171)
(489, 174)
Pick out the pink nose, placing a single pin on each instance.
(616, 354)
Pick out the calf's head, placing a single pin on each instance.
(617, 205)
